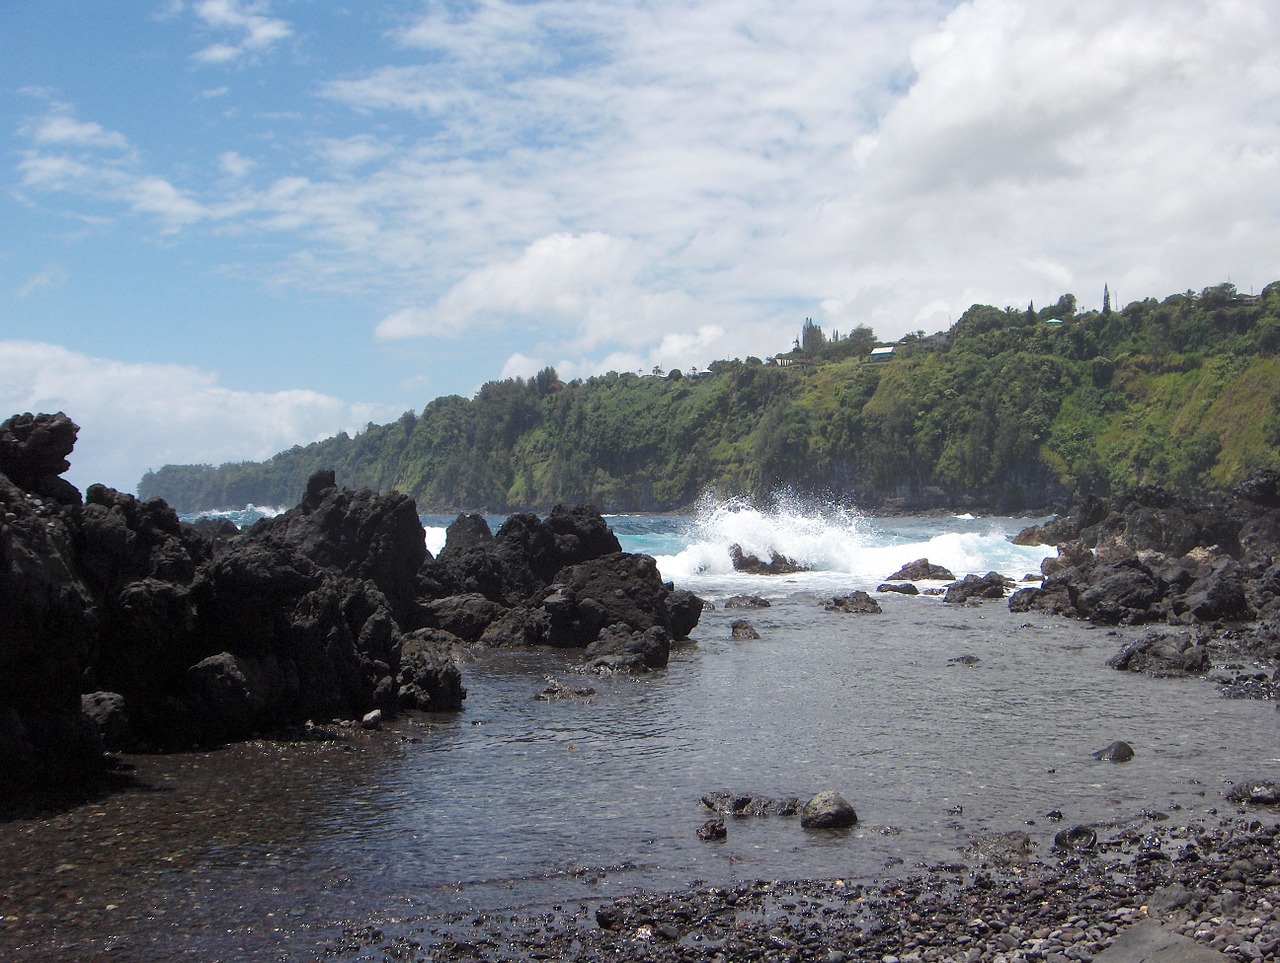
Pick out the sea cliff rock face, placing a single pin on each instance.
(123, 622)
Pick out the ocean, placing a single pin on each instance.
(939, 723)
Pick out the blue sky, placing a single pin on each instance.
(232, 226)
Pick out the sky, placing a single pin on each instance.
(228, 227)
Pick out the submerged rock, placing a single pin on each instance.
(857, 603)
(744, 630)
(746, 602)
(712, 829)
(1163, 654)
(1118, 751)
(733, 803)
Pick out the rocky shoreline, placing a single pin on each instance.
(1151, 889)
(134, 630)
(127, 628)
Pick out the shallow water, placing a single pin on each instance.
(266, 850)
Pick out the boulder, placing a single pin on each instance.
(1163, 654)
(33, 454)
(746, 602)
(620, 648)
(618, 588)
(106, 711)
(1118, 751)
(232, 697)
(1216, 596)
(778, 564)
(857, 603)
(48, 644)
(901, 588)
(728, 802)
(685, 610)
(827, 810)
(467, 616)
(712, 829)
(1123, 592)
(989, 586)
(742, 630)
(427, 678)
(1256, 792)
(920, 569)
(521, 560)
(1079, 838)
(557, 691)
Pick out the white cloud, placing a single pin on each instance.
(139, 417)
(584, 281)
(235, 165)
(521, 366)
(588, 181)
(351, 152)
(61, 129)
(258, 31)
(49, 278)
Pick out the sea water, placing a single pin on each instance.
(939, 723)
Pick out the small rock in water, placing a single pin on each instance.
(902, 588)
(921, 568)
(742, 629)
(858, 603)
(372, 720)
(1118, 751)
(827, 810)
(1079, 838)
(746, 602)
(713, 829)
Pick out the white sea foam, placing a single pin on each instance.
(838, 547)
(435, 536)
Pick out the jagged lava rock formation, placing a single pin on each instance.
(123, 625)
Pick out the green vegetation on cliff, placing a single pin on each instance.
(1010, 409)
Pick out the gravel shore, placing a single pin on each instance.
(1150, 889)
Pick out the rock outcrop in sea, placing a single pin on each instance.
(125, 626)
(1153, 557)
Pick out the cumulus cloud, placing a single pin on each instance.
(586, 283)
(139, 417)
(256, 31)
(609, 181)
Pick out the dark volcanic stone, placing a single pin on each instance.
(921, 568)
(359, 534)
(902, 588)
(1163, 654)
(33, 453)
(746, 602)
(712, 829)
(621, 648)
(989, 586)
(1118, 751)
(777, 565)
(428, 679)
(685, 609)
(857, 603)
(827, 810)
